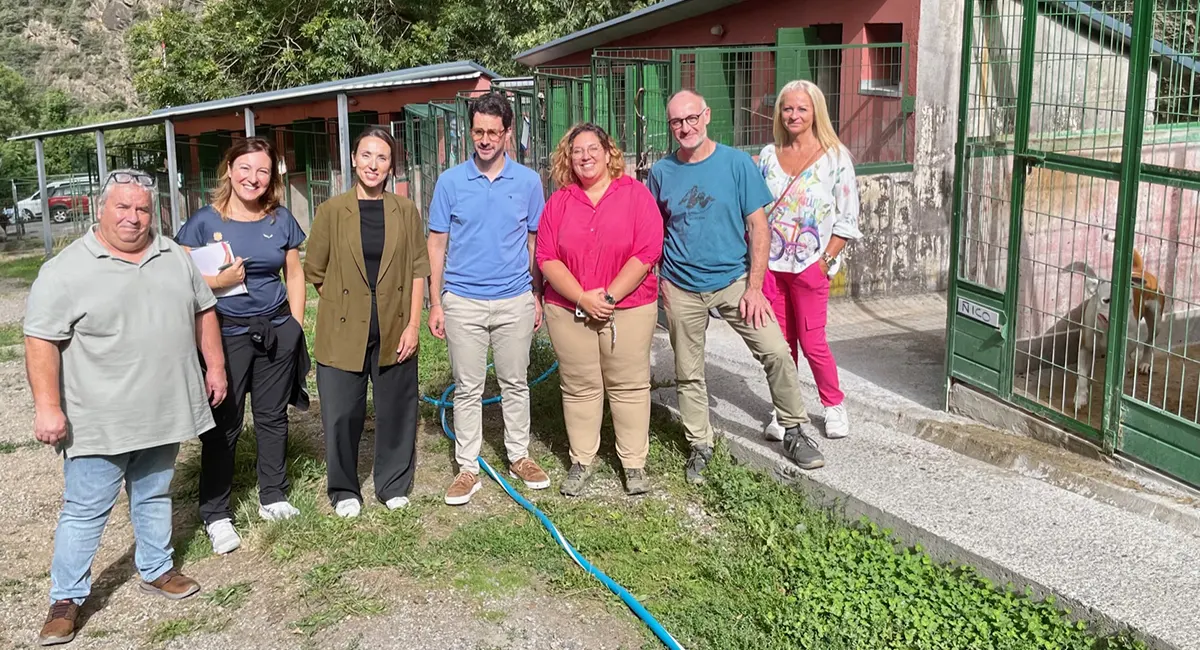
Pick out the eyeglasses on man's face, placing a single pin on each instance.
(692, 120)
(490, 134)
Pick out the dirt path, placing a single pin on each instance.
(266, 596)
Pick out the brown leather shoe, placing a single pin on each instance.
(60, 623)
(173, 585)
(534, 476)
(460, 491)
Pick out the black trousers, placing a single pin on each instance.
(343, 412)
(268, 379)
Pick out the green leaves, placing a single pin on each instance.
(236, 47)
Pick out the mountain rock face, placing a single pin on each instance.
(76, 46)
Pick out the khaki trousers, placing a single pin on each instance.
(687, 323)
(471, 327)
(590, 366)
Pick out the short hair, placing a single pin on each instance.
(109, 184)
(561, 171)
(494, 104)
(688, 91)
(223, 192)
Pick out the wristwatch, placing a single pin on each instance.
(828, 259)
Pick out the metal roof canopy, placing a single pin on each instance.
(330, 89)
(633, 23)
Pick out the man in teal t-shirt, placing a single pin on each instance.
(710, 195)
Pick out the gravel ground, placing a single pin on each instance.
(418, 615)
(12, 300)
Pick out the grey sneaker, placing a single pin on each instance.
(636, 482)
(577, 479)
(800, 446)
(696, 463)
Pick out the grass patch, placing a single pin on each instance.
(168, 631)
(13, 447)
(742, 562)
(230, 597)
(11, 334)
(23, 268)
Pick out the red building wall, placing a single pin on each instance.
(870, 124)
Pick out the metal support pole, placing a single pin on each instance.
(47, 238)
(101, 157)
(172, 176)
(343, 119)
(249, 115)
(17, 218)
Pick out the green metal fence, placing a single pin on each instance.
(1076, 193)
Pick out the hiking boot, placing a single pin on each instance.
(224, 538)
(278, 511)
(837, 425)
(535, 477)
(636, 481)
(799, 445)
(173, 585)
(696, 462)
(577, 479)
(60, 623)
(464, 486)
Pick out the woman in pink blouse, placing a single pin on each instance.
(600, 236)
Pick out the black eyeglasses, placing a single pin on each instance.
(692, 120)
(120, 178)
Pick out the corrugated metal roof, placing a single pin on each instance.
(635, 22)
(374, 82)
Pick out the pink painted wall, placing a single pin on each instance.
(1066, 217)
(870, 125)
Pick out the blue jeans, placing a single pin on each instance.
(92, 484)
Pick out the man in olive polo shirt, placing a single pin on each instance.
(111, 330)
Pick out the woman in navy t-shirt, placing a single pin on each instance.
(261, 328)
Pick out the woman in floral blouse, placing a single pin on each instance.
(815, 213)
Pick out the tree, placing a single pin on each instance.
(233, 47)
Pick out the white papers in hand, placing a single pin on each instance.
(209, 259)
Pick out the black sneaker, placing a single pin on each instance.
(799, 445)
(577, 478)
(696, 463)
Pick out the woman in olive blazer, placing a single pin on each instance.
(367, 259)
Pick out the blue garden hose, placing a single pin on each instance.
(443, 405)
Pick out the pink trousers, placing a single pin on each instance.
(800, 301)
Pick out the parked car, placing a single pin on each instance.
(68, 197)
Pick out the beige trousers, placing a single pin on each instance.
(590, 365)
(472, 326)
(687, 323)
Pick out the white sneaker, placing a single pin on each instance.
(277, 511)
(774, 430)
(348, 508)
(836, 423)
(224, 538)
(395, 503)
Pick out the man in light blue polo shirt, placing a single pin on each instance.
(482, 227)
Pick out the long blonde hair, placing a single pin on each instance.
(822, 126)
(561, 171)
(223, 192)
